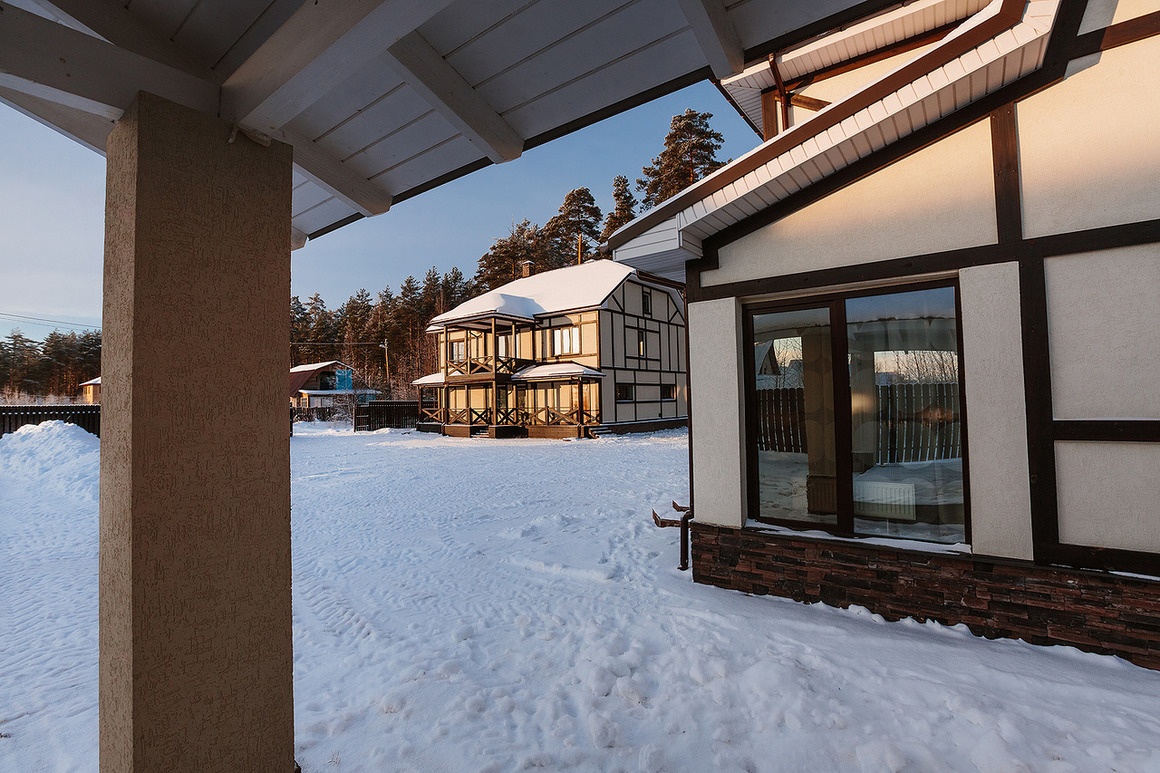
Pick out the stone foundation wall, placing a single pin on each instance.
(1093, 611)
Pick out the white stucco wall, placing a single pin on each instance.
(1104, 325)
(716, 378)
(940, 198)
(1107, 494)
(996, 411)
(1088, 149)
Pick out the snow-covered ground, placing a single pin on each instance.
(475, 605)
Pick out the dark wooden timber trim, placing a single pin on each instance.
(1040, 416)
(1121, 34)
(1104, 559)
(1103, 238)
(779, 91)
(798, 100)
(339, 224)
(1008, 15)
(1111, 430)
(1005, 153)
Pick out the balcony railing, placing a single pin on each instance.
(471, 416)
(473, 366)
(555, 417)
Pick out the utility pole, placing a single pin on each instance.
(386, 367)
(579, 249)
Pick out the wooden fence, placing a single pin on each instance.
(13, 417)
(379, 414)
(916, 422)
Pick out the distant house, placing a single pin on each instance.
(319, 388)
(91, 391)
(940, 232)
(565, 353)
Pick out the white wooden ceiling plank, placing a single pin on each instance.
(59, 64)
(163, 16)
(377, 123)
(346, 184)
(607, 85)
(274, 15)
(365, 89)
(214, 25)
(715, 35)
(317, 48)
(408, 143)
(449, 156)
(458, 26)
(319, 217)
(426, 72)
(640, 25)
(526, 34)
(112, 21)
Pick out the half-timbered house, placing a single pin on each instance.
(594, 347)
(922, 322)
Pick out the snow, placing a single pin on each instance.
(556, 370)
(313, 366)
(498, 605)
(563, 289)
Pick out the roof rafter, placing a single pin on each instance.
(113, 22)
(427, 72)
(58, 64)
(716, 36)
(338, 179)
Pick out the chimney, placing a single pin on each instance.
(526, 268)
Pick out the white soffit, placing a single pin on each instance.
(662, 240)
(381, 99)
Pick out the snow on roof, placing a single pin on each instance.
(92, 382)
(431, 379)
(556, 370)
(313, 366)
(563, 289)
(338, 391)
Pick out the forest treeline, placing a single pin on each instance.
(383, 336)
(56, 366)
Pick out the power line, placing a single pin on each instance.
(336, 343)
(45, 322)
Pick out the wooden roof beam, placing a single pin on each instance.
(58, 64)
(716, 36)
(320, 46)
(113, 22)
(336, 178)
(425, 71)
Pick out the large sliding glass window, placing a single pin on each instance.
(874, 448)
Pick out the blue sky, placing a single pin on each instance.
(52, 191)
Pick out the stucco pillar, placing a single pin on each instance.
(196, 669)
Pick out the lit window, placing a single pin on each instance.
(457, 351)
(565, 340)
(641, 344)
(625, 393)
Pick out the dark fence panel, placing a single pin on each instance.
(13, 417)
(916, 422)
(379, 414)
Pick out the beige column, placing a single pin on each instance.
(196, 669)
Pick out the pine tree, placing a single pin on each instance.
(624, 207)
(456, 288)
(299, 332)
(578, 217)
(501, 264)
(690, 153)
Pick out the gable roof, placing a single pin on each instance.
(1002, 42)
(552, 292)
(300, 374)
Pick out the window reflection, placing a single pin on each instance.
(796, 453)
(905, 423)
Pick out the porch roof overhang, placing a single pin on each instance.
(557, 371)
(382, 99)
(431, 379)
(999, 44)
